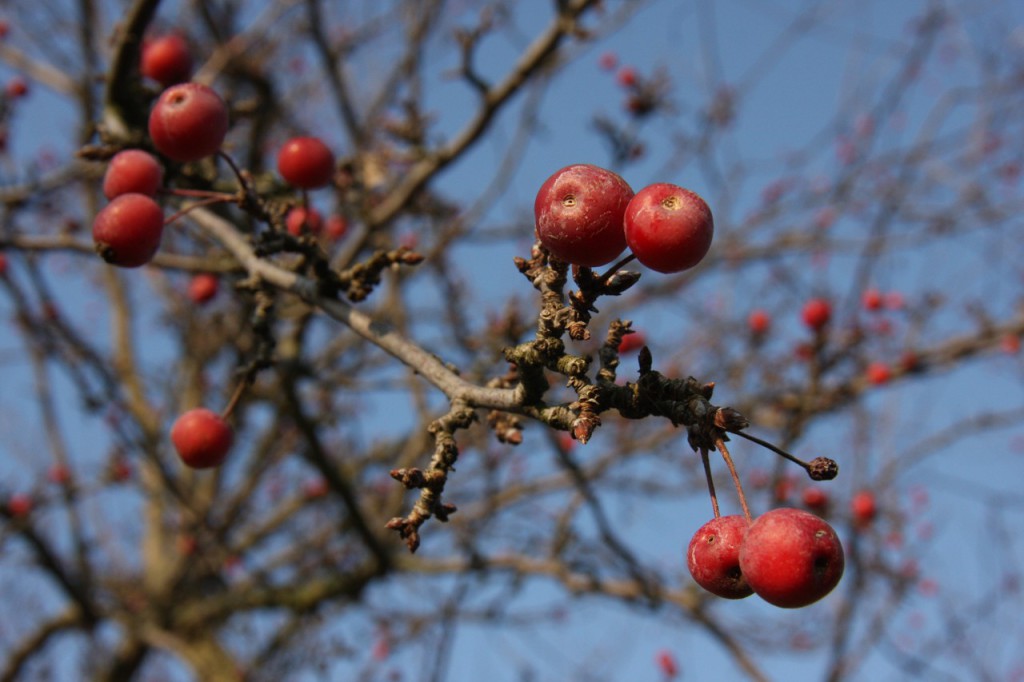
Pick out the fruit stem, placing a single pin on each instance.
(209, 201)
(235, 397)
(198, 193)
(774, 448)
(711, 482)
(615, 268)
(720, 444)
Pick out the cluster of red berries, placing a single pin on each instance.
(788, 557)
(587, 215)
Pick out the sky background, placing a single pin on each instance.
(801, 98)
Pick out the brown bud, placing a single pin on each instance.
(729, 419)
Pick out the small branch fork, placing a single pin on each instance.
(431, 482)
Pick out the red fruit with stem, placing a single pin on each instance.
(579, 212)
(203, 287)
(668, 228)
(791, 558)
(202, 438)
(713, 557)
(166, 59)
(863, 508)
(127, 231)
(132, 170)
(300, 220)
(816, 313)
(306, 162)
(759, 322)
(188, 122)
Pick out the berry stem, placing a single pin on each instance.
(720, 444)
(235, 397)
(711, 482)
(615, 268)
(198, 193)
(209, 201)
(776, 449)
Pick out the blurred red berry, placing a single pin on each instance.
(759, 322)
(299, 221)
(203, 287)
(816, 313)
(16, 87)
(626, 76)
(863, 508)
(872, 299)
(632, 342)
(667, 665)
(166, 59)
(878, 373)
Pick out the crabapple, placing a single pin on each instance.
(188, 122)
(16, 87)
(816, 313)
(668, 228)
(759, 322)
(19, 505)
(632, 342)
(301, 220)
(127, 231)
(872, 299)
(336, 226)
(306, 162)
(815, 498)
(863, 508)
(132, 170)
(791, 558)
(202, 438)
(166, 59)
(713, 557)
(203, 287)
(578, 212)
(626, 76)
(878, 373)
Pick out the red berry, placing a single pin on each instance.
(632, 342)
(336, 227)
(59, 474)
(815, 498)
(166, 59)
(816, 313)
(713, 557)
(608, 61)
(863, 508)
(306, 162)
(626, 76)
(668, 228)
(133, 170)
(203, 287)
(16, 87)
(3, 264)
(300, 220)
(578, 213)
(667, 665)
(316, 488)
(791, 558)
(878, 373)
(19, 505)
(872, 299)
(759, 322)
(188, 122)
(127, 231)
(1010, 343)
(5, 28)
(201, 438)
